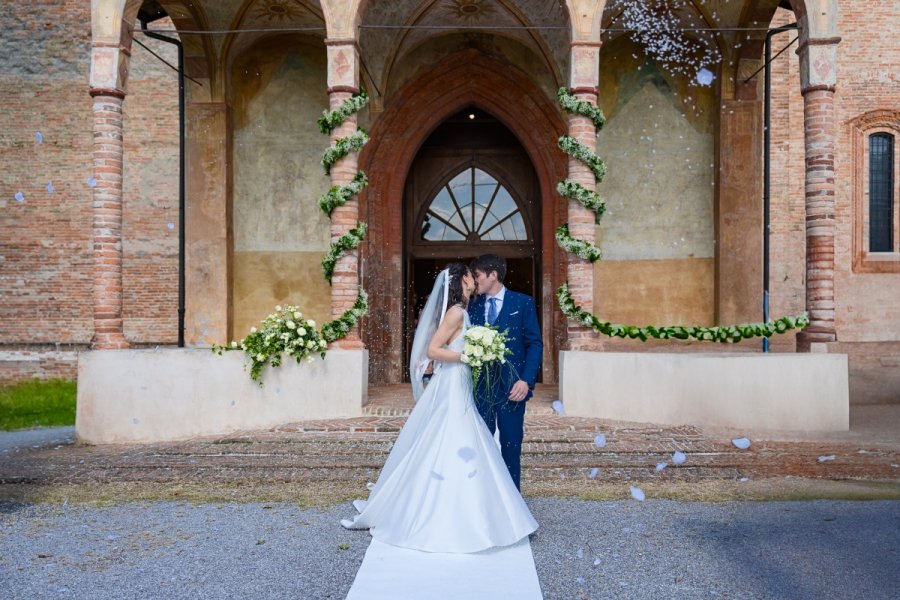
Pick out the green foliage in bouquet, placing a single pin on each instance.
(283, 332)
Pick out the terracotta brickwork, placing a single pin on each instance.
(46, 241)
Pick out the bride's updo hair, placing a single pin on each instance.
(455, 293)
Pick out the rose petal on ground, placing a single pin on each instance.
(826, 458)
(38, 137)
(596, 561)
(579, 553)
(638, 494)
(558, 407)
(171, 226)
(599, 440)
(20, 197)
(741, 443)
(660, 466)
(50, 188)
(679, 457)
(594, 472)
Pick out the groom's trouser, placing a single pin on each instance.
(509, 417)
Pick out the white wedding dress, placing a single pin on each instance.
(445, 517)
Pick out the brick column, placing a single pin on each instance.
(343, 78)
(818, 75)
(107, 212)
(582, 222)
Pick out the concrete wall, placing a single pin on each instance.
(758, 392)
(127, 396)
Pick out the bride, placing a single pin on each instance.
(444, 486)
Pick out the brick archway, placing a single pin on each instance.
(465, 79)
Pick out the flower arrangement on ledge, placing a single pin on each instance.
(282, 332)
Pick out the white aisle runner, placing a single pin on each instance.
(389, 572)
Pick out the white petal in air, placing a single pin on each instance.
(171, 226)
(92, 182)
(50, 188)
(705, 76)
(678, 458)
(826, 458)
(594, 472)
(600, 440)
(661, 465)
(637, 493)
(558, 407)
(20, 197)
(741, 443)
(38, 137)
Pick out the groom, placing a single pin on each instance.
(503, 405)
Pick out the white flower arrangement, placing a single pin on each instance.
(284, 331)
(484, 345)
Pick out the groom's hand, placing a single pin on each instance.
(519, 391)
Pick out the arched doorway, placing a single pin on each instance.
(471, 190)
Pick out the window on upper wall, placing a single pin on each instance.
(876, 192)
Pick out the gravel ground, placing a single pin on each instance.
(11, 441)
(653, 549)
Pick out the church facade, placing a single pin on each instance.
(463, 119)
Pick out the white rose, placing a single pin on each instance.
(310, 344)
(322, 343)
(260, 357)
(297, 315)
(291, 325)
(468, 348)
(311, 323)
(278, 308)
(233, 344)
(489, 356)
(301, 331)
(253, 330)
(477, 351)
(464, 358)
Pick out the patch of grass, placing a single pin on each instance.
(37, 403)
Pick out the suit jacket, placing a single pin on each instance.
(518, 317)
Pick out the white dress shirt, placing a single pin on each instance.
(499, 303)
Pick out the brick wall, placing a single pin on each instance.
(45, 240)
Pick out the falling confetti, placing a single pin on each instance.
(637, 493)
(594, 472)
(20, 197)
(92, 182)
(741, 443)
(50, 188)
(826, 458)
(38, 137)
(660, 466)
(678, 458)
(704, 77)
(600, 440)
(171, 226)
(558, 407)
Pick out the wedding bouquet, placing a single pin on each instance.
(284, 331)
(484, 346)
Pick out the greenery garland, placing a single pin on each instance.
(583, 249)
(331, 120)
(574, 106)
(590, 199)
(722, 333)
(588, 251)
(339, 195)
(340, 327)
(350, 240)
(343, 147)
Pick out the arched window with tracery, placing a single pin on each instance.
(473, 206)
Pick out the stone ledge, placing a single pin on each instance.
(750, 392)
(153, 396)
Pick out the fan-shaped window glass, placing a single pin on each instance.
(473, 206)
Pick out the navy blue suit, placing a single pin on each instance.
(518, 317)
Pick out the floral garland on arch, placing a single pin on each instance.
(587, 250)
